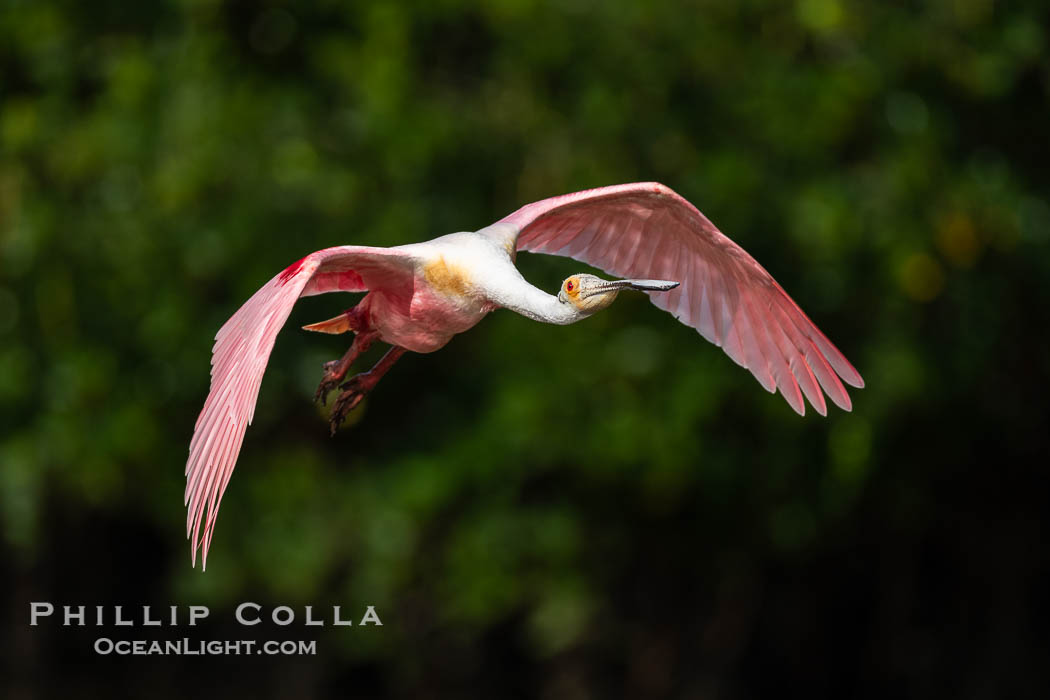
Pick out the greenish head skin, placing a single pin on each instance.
(590, 294)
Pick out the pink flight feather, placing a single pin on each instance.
(242, 349)
(646, 230)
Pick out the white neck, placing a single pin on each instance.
(520, 296)
(540, 306)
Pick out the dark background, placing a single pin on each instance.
(610, 509)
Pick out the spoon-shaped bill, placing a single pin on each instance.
(646, 285)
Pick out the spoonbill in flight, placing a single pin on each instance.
(422, 294)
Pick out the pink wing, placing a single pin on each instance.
(242, 348)
(646, 230)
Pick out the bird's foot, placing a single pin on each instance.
(329, 381)
(354, 391)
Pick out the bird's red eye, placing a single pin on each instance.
(569, 286)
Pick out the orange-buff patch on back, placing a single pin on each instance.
(447, 279)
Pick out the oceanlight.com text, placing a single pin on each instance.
(105, 646)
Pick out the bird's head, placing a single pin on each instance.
(590, 294)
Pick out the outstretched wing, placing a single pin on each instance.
(646, 230)
(242, 348)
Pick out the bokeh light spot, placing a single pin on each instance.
(18, 124)
(849, 443)
(921, 277)
(821, 16)
(957, 240)
(906, 113)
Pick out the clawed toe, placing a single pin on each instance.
(354, 391)
(326, 385)
(357, 387)
(329, 382)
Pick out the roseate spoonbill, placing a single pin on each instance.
(422, 294)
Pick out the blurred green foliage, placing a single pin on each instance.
(160, 161)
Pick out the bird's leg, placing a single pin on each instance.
(359, 385)
(335, 370)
